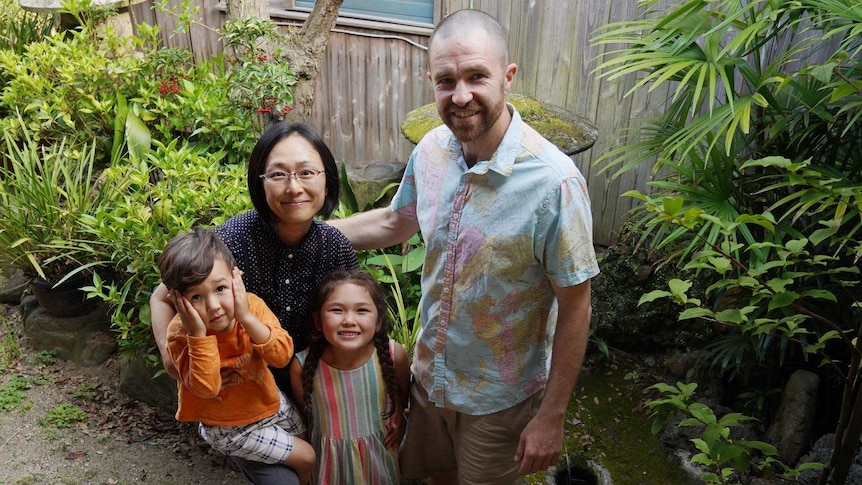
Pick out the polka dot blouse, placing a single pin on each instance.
(285, 276)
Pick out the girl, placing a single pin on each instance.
(353, 382)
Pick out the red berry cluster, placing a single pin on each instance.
(169, 86)
(269, 105)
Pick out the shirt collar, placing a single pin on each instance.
(503, 160)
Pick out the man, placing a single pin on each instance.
(505, 217)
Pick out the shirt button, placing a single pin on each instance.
(290, 256)
(445, 290)
(287, 309)
(287, 281)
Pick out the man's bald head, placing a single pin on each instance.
(464, 24)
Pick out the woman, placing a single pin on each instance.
(281, 249)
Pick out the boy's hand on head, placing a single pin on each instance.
(256, 329)
(240, 298)
(192, 321)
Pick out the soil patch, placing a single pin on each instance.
(118, 441)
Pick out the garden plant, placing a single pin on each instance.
(757, 186)
(167, 136)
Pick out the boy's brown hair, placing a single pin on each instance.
(188, 258)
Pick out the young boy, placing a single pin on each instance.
(221, 341)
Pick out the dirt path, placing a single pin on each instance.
(120, 441)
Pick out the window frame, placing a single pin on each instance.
(288, 9)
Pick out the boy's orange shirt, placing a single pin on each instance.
(224, 379)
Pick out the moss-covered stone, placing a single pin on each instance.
(569, 132)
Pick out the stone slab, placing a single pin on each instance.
(85, 340)
(53, 6)
(570, 132)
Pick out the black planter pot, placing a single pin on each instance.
(65, 300)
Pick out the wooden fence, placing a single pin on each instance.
(372, 77)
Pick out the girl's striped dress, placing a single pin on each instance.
(348, 429)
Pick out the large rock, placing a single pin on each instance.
(120, 21)
(138, 381)
(14, 289)
(85, 339)
(370, 182)
(820, 453)
(791, 430)
(569, 132)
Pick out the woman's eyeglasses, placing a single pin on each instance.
(302, 176)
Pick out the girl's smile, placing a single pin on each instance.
(348, 320)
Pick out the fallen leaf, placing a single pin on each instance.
(76, 454)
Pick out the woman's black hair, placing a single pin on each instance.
(264, 146)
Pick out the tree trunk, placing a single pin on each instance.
(849, 428)
(306, 54)
(241, 9)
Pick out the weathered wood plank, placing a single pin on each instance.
(368, 84)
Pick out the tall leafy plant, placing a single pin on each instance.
(756, 175)
(806, 290)
(47, 194)
(174, 188)
(747, 79)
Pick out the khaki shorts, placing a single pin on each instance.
(480, 448)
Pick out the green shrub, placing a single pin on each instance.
(65, 87)
(170, 136)
(178, 187)
(71, 86)
(803, 294)
(19, 27)
(724, 459)
(757, 179)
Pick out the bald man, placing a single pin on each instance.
(505, 309)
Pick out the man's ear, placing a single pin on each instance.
(511, 69)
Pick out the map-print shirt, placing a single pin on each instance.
(496, 236)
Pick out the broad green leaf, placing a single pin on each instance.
(783, 299)
(796, 245)
(672, 205)
(821, 294)
(678, 286)
(653, 295)
(695, 313)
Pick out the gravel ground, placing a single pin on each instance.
(121, 441)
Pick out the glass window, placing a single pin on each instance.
(419, 11)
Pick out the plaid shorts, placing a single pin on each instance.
(269, 440)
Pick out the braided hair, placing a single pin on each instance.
(381, 336)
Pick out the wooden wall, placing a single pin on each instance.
(370, 79)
